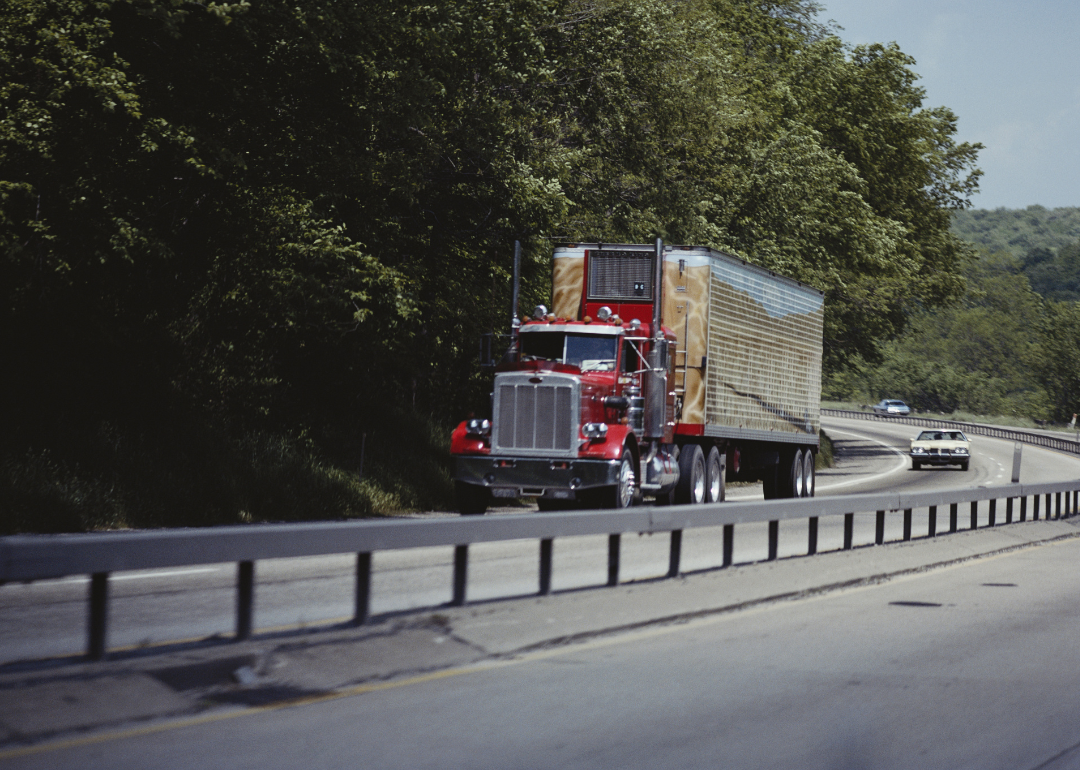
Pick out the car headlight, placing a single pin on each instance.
(960, 451)
(478, 427)
(918, 450)
(594, 430)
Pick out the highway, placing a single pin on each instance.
(954, 651)
(47, 618)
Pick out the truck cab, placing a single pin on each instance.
(568, 418)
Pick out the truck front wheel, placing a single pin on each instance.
(472, 499)
(625, 489)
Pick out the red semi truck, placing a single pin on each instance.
(660, 371)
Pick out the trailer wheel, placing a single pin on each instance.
(691, 486)
(809, 473)
(714, 477)
(791, 468)
(472, 499)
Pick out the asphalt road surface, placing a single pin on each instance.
(48, 618)
(971, 666)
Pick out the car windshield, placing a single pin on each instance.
(941, 435)
(589, 352)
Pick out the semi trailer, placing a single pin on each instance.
(659, 372)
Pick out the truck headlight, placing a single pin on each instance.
(478, 427)
(594, 430)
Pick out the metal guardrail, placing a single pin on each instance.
(1061, 444)
(37, 557)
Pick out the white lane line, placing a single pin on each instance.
(141, 575)
(901, 464)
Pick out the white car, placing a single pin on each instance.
(890, 407)
(940, 447)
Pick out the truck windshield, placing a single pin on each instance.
(589, 352)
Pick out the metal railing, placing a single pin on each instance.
(37, 557)
(1059, 443)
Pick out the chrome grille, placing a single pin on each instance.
(536, 418)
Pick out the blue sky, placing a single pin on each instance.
(1010, 71)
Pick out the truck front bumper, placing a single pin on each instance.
(536, 477)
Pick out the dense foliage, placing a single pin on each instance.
(1011, 347)
(237, 238)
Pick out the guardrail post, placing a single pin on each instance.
(1057, 502)
(1049, 507)
(931, 526)
(729, 545)
(1023, 508)
(675, 554)
(993, 511)
(99, 609)
(849, 530)
(907, 524)
(546, 550)
(363, 588)
(1008, 510)
(811, 545)
(879, 528)
(613, 546)
(461, 574)
(245, 599)
(974, 514)
(774, 539)
(953, 508)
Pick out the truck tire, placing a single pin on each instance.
(809, 473)
(691, 486)
(472, 499)
(789, 474)
(622, 494)
(714, 477)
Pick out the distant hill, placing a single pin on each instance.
(1045, 243)
(1019, 231)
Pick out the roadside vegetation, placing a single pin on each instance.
(1009, 348)
(246, 247)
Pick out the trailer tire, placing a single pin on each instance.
(472, 499)
(691, 486)
(714, 477)
(789, 474)
(809, 473)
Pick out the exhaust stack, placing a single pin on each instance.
(656, 385)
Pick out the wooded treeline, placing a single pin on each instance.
(1010, 347)
(245, 244)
